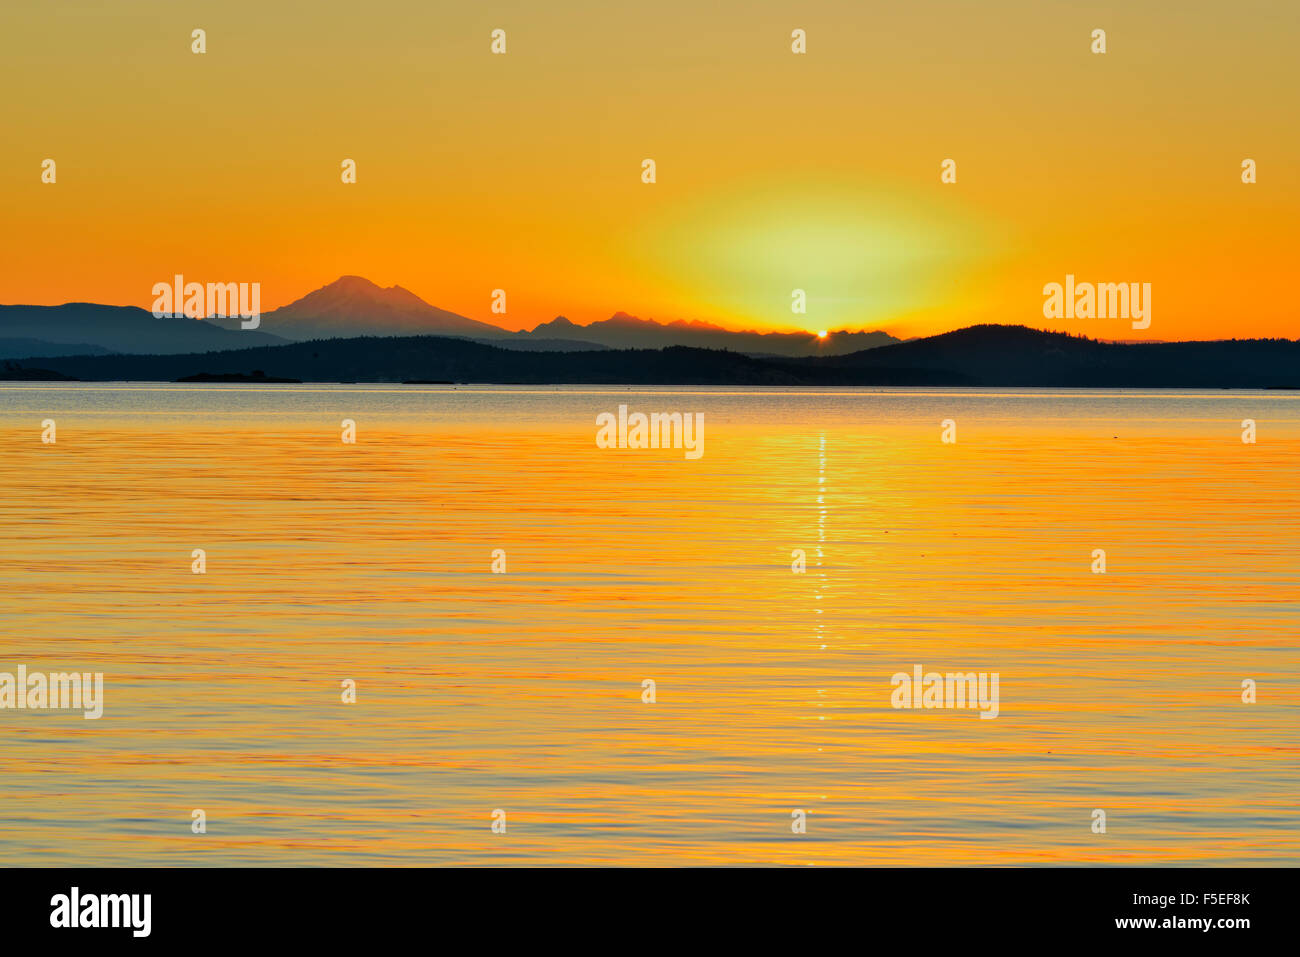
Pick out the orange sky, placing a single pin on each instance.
(776, 171)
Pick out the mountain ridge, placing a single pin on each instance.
(353, 306)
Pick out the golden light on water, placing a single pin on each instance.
(522, 690)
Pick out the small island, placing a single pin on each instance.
(257, 375)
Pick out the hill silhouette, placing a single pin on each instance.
(997, 355)
(428, 358)
(987, 355)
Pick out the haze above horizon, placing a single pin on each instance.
(775, 171)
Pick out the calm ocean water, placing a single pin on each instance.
(523, 691)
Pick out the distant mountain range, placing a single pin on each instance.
(352, 306)
(622, 331)
(979, 356)
(90, 328)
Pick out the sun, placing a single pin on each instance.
(822, 334)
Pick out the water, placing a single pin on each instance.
(523, 691)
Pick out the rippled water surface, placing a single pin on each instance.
(523, 691)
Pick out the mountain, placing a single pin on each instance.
(118, 329)
(622, 331)
(353, 306)
(982, 356)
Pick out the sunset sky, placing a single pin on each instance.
(776, 171)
